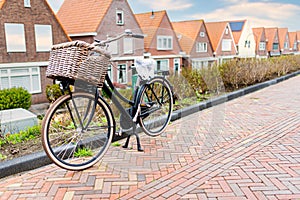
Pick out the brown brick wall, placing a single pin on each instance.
(13, 11)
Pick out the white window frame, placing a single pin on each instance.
(16, 41)
(110, 72)
(199, 64)
(113, 47)
(262, 46)
(295, 45)
(128, 45)
(31, 73)
(27, 4)
(119, 22)
(226, 30)
(122, 70)
(201, 47)
(43, 43)
(164, 42)
(286, 45)
(202, 34)
(226, 45)
(167, 67)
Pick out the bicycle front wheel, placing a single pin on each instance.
(156, 102)
(77, 131)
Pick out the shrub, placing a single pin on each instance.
(53, 92)
(14, 98)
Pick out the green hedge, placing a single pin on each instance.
(14, 98)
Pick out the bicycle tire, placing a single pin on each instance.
(156, 106)
(76, 140)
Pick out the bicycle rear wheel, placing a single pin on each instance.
(156, 101)
(76, 131)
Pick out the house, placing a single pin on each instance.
(244, 38)
(261, 42)
(284, 41)
(298, 39)
(88, 20)
(27, 31)
(161, 41)
(222, 41)
(272, 41)
(293, 42)
(195, 43)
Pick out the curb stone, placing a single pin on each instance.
(36, 160)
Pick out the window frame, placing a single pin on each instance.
(163, 60)
(163, 38)
(227, 49)
(201, 47)
(273, 45)
(125, 45)
(9, 38)
(38, 47)
(122, 70)
(122, 21)
(262, 46)
(27, 4)
(32, 72)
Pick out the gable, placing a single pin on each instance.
(282, 35)
(271, 37)
(149, 23)
(187, 32)
(215, 31)
(82, 16)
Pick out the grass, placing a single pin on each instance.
(83, 152)
(28, 134)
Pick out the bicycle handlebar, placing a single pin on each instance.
(127, 33)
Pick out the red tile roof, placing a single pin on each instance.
(215, 31)
(258, 33)
(282, 32)
(237, 34)
(82, 16)
(188, 30)
(1, 3)
(149, 23)
(270, 36)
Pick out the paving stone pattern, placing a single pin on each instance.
(247, 148)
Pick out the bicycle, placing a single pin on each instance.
(79, 126)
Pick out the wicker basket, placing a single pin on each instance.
(78, 60)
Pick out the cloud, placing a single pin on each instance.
(167, 4)
(264, 14)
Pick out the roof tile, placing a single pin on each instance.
(82, 16)
(215, 31)
(189, 31)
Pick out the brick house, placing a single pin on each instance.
(222, 40)
(195, 43)
(27, 31)
(87, 20)
(261, 43)
(243, 38)
(298, 41)
(284, 41)
(272, 41)
(161, 40)
(293, 42)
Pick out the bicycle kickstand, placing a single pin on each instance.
(139, 146)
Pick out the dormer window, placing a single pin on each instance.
(120, 17)
(27, 3)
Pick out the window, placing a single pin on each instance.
(262, 46)
(128, 46)
(197, 64)
(113, 47)
(120, 17)
(247, 43)
(286, 45)
(275, 46)
(15, 37)
(43, 37)
(110, 73)
(26, 77)
(164, 42)
(226, 45)
(201, 47)
(122, 74)
(202, 34)
(162, 65)
(295, 45)
(27, 3)
(226, 31)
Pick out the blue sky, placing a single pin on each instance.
(267, 13)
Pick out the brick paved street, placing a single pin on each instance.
(247, 148)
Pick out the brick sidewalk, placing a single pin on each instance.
(247, 148)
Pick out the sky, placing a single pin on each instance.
(260, 13)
